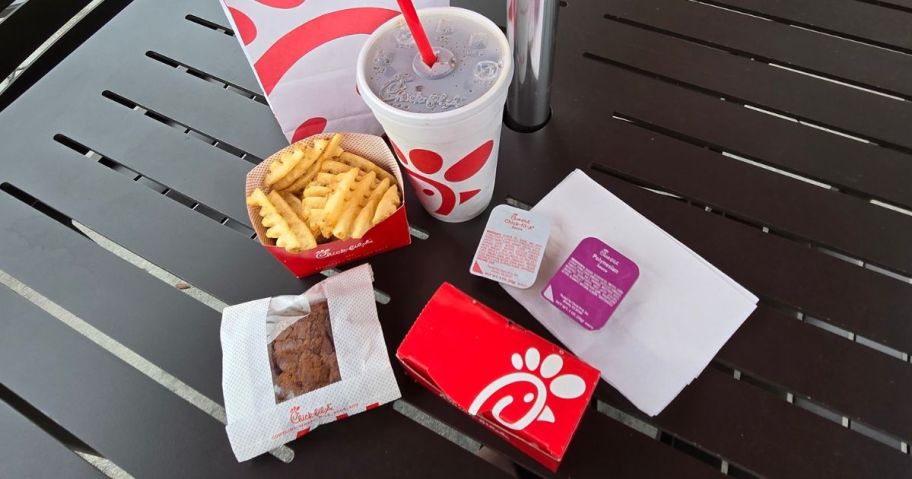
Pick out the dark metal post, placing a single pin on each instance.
(531, 31)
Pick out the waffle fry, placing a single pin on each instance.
(327, 217)
(354, 203)
(325, 179)
(334, 167)
(294, 202)
(319, 192)
(283, 165)
(301, 231)
(305, 179)
(331, 150)
(311, 155)
(364, 220)
(314, 199)
(356, 161)
(281, 222)
(387, 206)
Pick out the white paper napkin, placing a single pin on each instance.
(673, 320)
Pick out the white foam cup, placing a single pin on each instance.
(450, 155)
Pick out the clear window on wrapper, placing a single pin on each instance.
(302, 356)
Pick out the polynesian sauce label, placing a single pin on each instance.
(591, 283)
(512, 246)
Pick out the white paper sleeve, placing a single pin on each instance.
(257, 418)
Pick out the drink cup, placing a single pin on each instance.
(443, 121)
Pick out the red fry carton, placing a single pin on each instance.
(391, 233)
(524, 388)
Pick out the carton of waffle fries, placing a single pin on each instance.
(327, 200)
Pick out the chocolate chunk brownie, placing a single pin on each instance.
(303, 356)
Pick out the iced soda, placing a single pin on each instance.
(444, 120)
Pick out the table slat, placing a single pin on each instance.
(850, 165)
(857, 381)
(899, 4)
(603, 446)
(833, 219)
(783, 272)
(851, 18)
(213, 52)
(741, 79)
(161, 230)
(600, 445)
(167, 155)
(205, 106)
(766, 435)
(867, 303)
(766, 40)
(28, 451)
(157, 321)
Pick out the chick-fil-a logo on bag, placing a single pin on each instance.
(534, 371)
(296, 417)
(422, 164)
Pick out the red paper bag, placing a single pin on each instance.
(303, 54)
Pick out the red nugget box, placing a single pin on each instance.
(527, 390)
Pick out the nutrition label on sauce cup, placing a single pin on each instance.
(591, 283)
(512, 247)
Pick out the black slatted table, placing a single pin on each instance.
(774, 138)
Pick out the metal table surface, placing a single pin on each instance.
(773, 138)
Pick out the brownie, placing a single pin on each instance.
(303, 356)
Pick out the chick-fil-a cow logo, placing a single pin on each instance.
(422, 164)
(543, 375)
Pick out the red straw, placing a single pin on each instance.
(421, 39)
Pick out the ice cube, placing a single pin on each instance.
(404, 37)
(382, 57)
(444, 26)
(478, 41)
(486, 70)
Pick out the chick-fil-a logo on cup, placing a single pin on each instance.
(456, 186)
